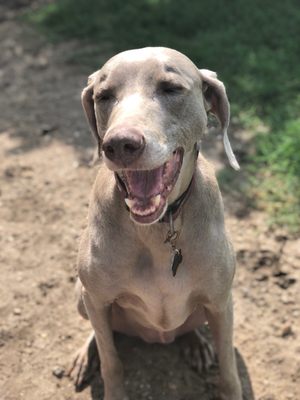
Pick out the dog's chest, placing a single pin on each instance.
(160, 302)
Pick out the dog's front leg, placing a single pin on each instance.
(111, 366)
(221, 324)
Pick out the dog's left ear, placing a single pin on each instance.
(216, 102)
(88, 105)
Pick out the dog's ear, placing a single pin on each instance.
(88, 105)
(216, 102)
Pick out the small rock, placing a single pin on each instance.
(42, 62)
(279, 272)
(242, 254)
(46, 129)
(172, 386)
(262, 277)
(72, 279)
(281, 237)
(67, 337)
(46, 286)
(58, 372)
(285, 299)
(9, 172)
(287, 331)
(266, 258)
(17, 311)
(285, 282)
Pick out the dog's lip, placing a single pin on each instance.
(146, 191)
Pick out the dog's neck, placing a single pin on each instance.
(172, 213)
(181, 192)
(177, 205)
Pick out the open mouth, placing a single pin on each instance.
(146, 191)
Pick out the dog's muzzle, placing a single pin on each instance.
(146, 191)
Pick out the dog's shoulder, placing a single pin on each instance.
(104, 184)
(207, 169)
(206, 178)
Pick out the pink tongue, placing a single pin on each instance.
(145, 184)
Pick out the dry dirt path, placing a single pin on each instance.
(45, 181)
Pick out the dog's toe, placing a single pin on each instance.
(85, 364)
(198, 351)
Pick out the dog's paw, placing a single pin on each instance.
(231, 389)
(198, 351)
(84, 365)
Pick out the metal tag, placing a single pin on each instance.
(176, 260)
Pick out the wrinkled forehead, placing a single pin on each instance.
(148, 65)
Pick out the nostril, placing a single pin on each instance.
(110, 150)
(130, 148)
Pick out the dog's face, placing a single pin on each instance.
(148, 110)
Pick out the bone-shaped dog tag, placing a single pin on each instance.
(176, 260)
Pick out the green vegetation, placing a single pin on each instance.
(253, 45)
(276, 184)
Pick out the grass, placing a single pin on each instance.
(276, 185)
(254, 46)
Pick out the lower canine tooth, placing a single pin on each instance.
(129, 202)
(156, 200)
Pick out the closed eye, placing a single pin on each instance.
(170, 88)
(105, 95)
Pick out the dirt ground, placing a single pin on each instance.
(45, 148)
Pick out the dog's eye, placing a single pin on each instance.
(105, 96)
(170, 88)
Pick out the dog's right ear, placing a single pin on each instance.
(88, 105)
(216, 102)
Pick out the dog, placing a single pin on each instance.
(155, 260)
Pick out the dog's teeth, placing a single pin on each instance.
(129, 202)
(142, 213)
(156, 200)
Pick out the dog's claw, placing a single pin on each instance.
(198, 351)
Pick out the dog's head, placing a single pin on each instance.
(148, 109)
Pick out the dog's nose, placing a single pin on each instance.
(123, 146)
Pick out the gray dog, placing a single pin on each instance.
(155, 260)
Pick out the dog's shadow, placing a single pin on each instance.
(160, 372)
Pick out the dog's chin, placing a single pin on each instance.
(146, 191)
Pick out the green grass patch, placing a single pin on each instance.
(276, 175)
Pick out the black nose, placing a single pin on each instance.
(123, 146)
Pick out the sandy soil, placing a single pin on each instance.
(45, 147)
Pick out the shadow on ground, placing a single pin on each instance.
(154, 371)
